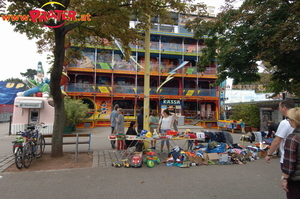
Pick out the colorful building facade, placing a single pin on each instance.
(104, 78)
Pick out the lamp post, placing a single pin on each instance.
(147, 77)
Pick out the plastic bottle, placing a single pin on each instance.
(154, 134)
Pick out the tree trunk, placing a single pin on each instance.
(59, 120)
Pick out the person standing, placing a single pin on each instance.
(242, 124)
(175, 118)
(284, 129)
(140, 120)
(165, 123)
(113, 116)
(120, 128)
(154, 119)
(290, 180)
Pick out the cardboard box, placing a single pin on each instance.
(205, 159)
(196, 159)
(263, 154)
(213, 156)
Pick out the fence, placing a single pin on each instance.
(6, 111)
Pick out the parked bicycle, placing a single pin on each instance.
(18, 145)
(34, 147)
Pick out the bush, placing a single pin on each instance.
(75, 111)
(249, 113)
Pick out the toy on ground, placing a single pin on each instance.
(125, 163)
(116, 164)
(137, 160)
(151, 158)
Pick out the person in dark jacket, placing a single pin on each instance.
(140, 120)
(272, 127)
(131, 143)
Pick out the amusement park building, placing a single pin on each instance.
(104, 78)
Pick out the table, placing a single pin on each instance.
(172, 140)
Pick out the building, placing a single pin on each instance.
(104, 78)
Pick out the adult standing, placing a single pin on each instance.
(154, 119)
(113, 116)
(284, 129)
(175, 118)
(120, 127)
(290, 180)
(140, 120)
(120, 121)
(165, 123)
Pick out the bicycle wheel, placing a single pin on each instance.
(27, 155)
(18, 158)
(40, 146)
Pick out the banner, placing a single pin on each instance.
(9, 90)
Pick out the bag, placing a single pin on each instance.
(215, 147)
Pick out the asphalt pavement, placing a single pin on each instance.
(248, 181)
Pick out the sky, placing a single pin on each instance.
(19, 54)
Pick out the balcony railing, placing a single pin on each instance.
(199, 92)
(175, 47)
(128, 89)
(165, 68)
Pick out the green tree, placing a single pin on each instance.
(249, 113)
(259, 30)
(29, 74)
(15, 80)
(106, 19)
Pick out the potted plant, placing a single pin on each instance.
(249, 113)
(75, 111)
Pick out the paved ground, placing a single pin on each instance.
(253, 180)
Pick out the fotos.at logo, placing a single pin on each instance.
(59, 17)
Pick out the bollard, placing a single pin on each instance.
(76, 149)
(10, 120)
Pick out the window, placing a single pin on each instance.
(126, 105)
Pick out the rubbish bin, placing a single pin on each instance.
(180, 120)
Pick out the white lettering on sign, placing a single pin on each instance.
(171, 101)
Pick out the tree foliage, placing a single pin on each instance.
(29, 74)
(76, 110)
(249, 113)
(109, 19)
(259, 30)
(15, 80)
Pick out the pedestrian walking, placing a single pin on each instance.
(284, 129)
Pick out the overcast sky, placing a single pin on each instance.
(19, 54)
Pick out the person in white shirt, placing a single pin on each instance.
(284, 129)
(165, 123)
